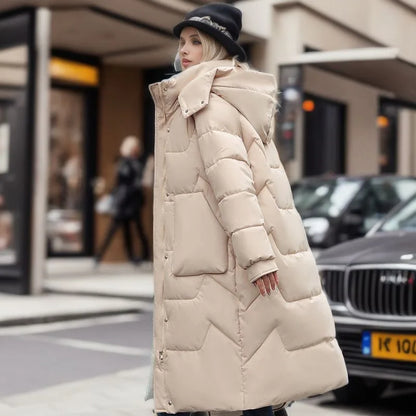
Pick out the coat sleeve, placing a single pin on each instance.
(228, 171)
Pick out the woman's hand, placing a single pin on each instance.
(267, 283)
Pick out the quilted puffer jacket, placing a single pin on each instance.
(223, 217)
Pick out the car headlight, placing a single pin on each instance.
(316, 228)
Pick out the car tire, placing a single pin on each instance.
(360, 390)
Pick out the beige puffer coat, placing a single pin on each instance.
(223, 217)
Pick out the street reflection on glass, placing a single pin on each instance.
(66, 173)
(13, 80)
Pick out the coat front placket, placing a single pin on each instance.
(162, 258)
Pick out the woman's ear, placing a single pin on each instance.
(177, 63)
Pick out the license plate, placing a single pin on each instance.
(389, 346)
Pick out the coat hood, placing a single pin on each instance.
(251, 92)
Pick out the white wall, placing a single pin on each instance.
(385, 22)
(407, 142)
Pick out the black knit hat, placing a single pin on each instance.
(219, 20)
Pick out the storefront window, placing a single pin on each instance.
(7, 240)
(66, 173)
(13, 79)
(16, 150)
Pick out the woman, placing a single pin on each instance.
(128, 200)
(240, 319)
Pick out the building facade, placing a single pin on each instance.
(347, 76)
(73, 84)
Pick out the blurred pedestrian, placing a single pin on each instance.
(127, 200)
(240, 318)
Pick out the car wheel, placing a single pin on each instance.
(360, 390)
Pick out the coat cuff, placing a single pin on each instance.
(261, 268)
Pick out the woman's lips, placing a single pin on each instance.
(185, 62)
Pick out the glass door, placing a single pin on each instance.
(66, 173)
(8, 255)
(69, 196)
(16, 150)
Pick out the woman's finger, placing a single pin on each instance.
(266, 282)
(260, 284)
(272, 281)
(276, 278)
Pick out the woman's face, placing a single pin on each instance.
(190, 48)
(134, 151)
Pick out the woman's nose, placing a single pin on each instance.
(184, 50)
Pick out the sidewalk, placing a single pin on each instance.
(75, 289)
(116, 279)
(119, 394)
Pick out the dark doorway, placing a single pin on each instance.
(324, 136)
(390, 134)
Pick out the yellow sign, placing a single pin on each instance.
(74, 72)
(393, 346)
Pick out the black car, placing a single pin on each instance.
(339, 208)
(371, 286)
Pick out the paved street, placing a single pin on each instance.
(72, 351)
(96, 366)
(99, 366)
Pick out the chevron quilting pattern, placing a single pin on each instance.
(222, 373)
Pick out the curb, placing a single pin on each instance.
(65, 317)
(143, 305)
(97, 294)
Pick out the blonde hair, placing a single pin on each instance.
(212, 50)
(128, 144)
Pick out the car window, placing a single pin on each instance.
(391, 191)
(404, 219)
(366, 205)
(327, 197)
(405, 188)
(379, 196)
(386, 194)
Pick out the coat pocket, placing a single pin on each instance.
(200, 242)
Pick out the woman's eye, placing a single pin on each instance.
(196, 42)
